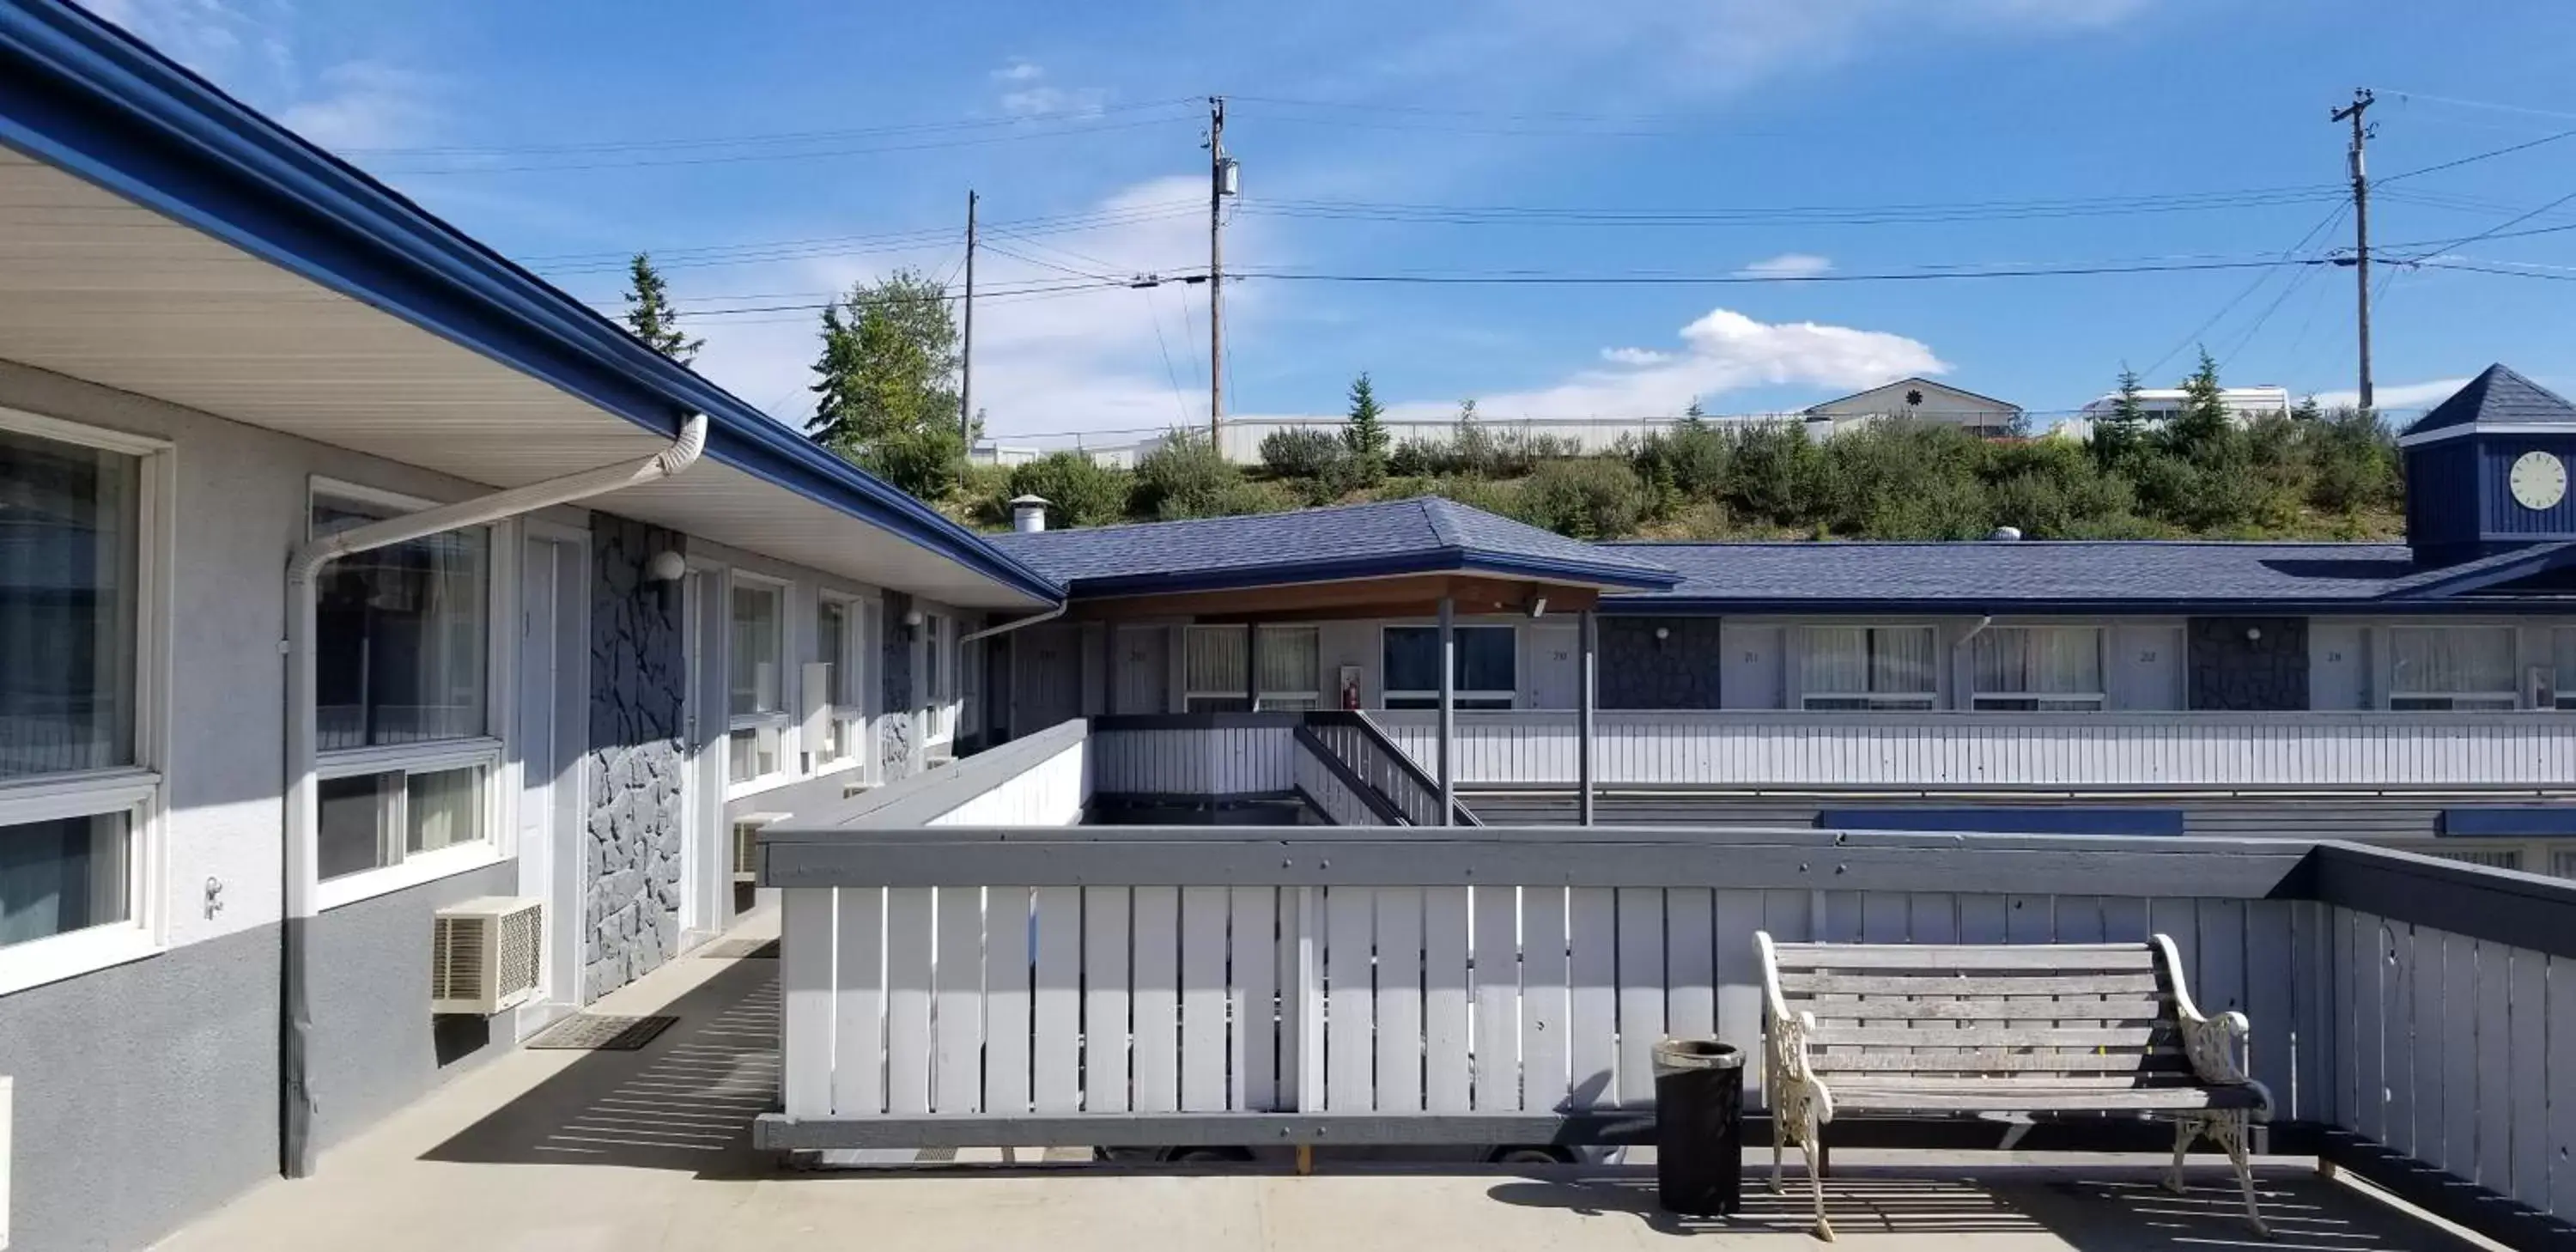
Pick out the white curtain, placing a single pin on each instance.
(2565, 637)
(1290, 667)
(2038, 660)
(1212, 661)
(1834, 661)
(1867, 660)
(2452, 660)
(1901, 660)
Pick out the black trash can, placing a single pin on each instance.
(1699, 1127)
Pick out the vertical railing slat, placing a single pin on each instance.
(2528, 1076)
(1592, 975)
(2559, 1041)
(1204, 1053)
(1350, 1050)
(1641, 991)
(805, 1001)
(1739, 983)
(910, 940)
(2459, 1056)
(2271, 953)
(1398, 1010)
(1446, 1080)
(1494, 979)
(1156, 1004)
(1105, 1000)
(1057, 1004)
(1255, 940)
(857, 1053)
(1006, 1008)
(1690, 972)
(957, 1003)
(1546, 1001)
(2495, 1068)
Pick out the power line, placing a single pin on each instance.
(2482, 104)
(737, 141)
(736, 158)
(2507, 150)
(2494, 231)
(1179, 401)
(1736, 279)
(2320, 228)
(1860, 215)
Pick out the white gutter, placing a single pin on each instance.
(1012, 625)
(295, 1014)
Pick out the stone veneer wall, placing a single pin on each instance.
(1639, 671)
(894, 727)
(2233, 674)
(638, 687)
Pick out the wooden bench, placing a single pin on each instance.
(2103, 1028)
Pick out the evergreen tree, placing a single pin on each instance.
(650, 316)
(2204, 421)
(2307, 410)
(1365, 436)
(886, 383)
(2118, 436)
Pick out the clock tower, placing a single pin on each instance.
(2489, 469)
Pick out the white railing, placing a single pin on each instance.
(1754, 748)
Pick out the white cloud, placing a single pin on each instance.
(1051, 101)
(204, 35)
(1789, 265)
(1080, 360)
(1020, 71)
(2401, 396)
(1721, 352)
(365, 104)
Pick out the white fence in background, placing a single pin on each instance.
(1755, 748)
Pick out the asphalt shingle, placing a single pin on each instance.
(2502, 396)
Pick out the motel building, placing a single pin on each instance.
(396, 658)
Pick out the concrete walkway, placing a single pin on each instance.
(548, 1151)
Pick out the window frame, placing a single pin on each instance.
(780, 721)
(846, 718)
(1190, 696)
(2562, 648)
(1480, 700)
(2507, 701)
(937, 701)
(2099, 700)
(488, 751)
(1260, 697)
(138, 790)
(1801, 699)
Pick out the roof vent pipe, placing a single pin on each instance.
(2005, 534)
(1028, 514)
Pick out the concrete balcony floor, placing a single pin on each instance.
(554, 1151)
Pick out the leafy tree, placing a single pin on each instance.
(2204, 423)
(1187, 477)
(1365, 436)
(886, 383)
(650, 316)
(1588, 498)
(1301, 452)
(1773, 475)
(1079, 491)
(2119, 435)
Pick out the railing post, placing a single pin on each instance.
(1448, 708)
(1587, 644)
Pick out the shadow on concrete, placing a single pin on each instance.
(2091, 1209)
(683, 1102)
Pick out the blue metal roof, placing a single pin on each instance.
(2033, 576)
(79, 94)
(1418, 536)
(2498, 396)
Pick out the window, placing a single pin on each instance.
(1868, 667)
(2036, 669)
(2451, 667)
(401, 636)
(1485, 675)
(1214, 668)
(756, 700)
(837, 636)
(381, 819)
(65, 875)
(939, 677)
(401, 656)
(2563, 658)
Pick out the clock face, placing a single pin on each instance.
(2538, 480)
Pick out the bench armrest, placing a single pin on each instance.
(2214, 1045)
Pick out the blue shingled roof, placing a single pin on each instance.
(2034, 575)
(2499, 396)
(1423, 535)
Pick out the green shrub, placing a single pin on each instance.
(1587, 498)
(1183, 478)
(1079, 491)
(1301, 452)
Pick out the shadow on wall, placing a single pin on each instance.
(683, 1102)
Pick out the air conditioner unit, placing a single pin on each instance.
(484, 955)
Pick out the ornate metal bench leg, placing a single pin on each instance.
(1779, 1141)
(2231, 1130)
(1809, 1142)
(2186, 1129)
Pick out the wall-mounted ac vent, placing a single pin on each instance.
(746, 844)
(484, 955)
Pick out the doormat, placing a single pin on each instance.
(600, 1032)
(739, 949)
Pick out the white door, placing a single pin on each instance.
(547, 737)
(1144, 678)
(1555, 667)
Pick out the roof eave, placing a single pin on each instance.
(102, 106)
(1439, 561)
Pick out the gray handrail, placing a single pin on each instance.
(1374, 800)
(1365, 747)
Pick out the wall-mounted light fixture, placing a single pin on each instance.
(912, 620)
(665, 566)
(1663, 633)
(2253, 633)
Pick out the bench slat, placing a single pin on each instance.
(1994, 1061)
(1909, 1098)
(1943, 1035)
(1936, 983)
(1985, 1009)
(1815, 956)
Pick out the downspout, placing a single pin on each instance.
(1960, 648)
(1012, 625)
(294, 1010)
(1013, 671)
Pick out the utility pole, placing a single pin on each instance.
(1220, 176)
(966, 369)
(2361, 132)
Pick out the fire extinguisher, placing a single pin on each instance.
(1351, 693)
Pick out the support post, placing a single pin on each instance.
(1587, 648)
(1252, 666)
(1448, 709)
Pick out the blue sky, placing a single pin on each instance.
(568, 133)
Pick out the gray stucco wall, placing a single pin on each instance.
(1639, 671)
(894, 728)
(2236, 674)
(638, 683)
(146, 1094)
